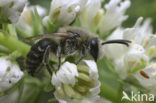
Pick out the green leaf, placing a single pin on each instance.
(33, 81)
(20, 91)
(109, 79)
(36, 22)
(31, 95)
(50, 26)
(48, 87)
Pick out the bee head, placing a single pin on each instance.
(94, 48)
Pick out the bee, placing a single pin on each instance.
(67, 41)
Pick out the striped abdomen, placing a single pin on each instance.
(35, 55)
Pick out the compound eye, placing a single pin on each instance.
(93, 42)
(94, 49)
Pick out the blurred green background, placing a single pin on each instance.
(144, 8)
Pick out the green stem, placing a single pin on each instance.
(108, 92)
(31, 96)
(4, 26)
(12, 30)
(14, 44)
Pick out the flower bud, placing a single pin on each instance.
(11, 10)
(10, 73)
(73, 83)
(91, 15)
(64, 12)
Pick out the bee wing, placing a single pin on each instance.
(54, 35)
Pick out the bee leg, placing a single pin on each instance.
(79, 60)
(39, 69)
(59, 58)
(46, 59)
(82, 56)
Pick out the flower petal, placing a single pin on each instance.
(138, 32)
(65, 75)
(114, 15)
(93, 72)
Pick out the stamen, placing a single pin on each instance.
(144, 74)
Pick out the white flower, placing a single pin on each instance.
(131, 61)
(64, 12)
(114, 15)
(120, 67)
(135, 58)
(138, 32)
(142, 35)
(65, 75)
(150, 41)
(90, 16)
(41, 10)
(147, 77)
(74, 84)
(10, 73)
(150, 45)
(25, 24)
(11, 9)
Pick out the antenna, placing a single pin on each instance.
(119, 41)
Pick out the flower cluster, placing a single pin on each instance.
(90, 14)
(137, 60)
(75, 83)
